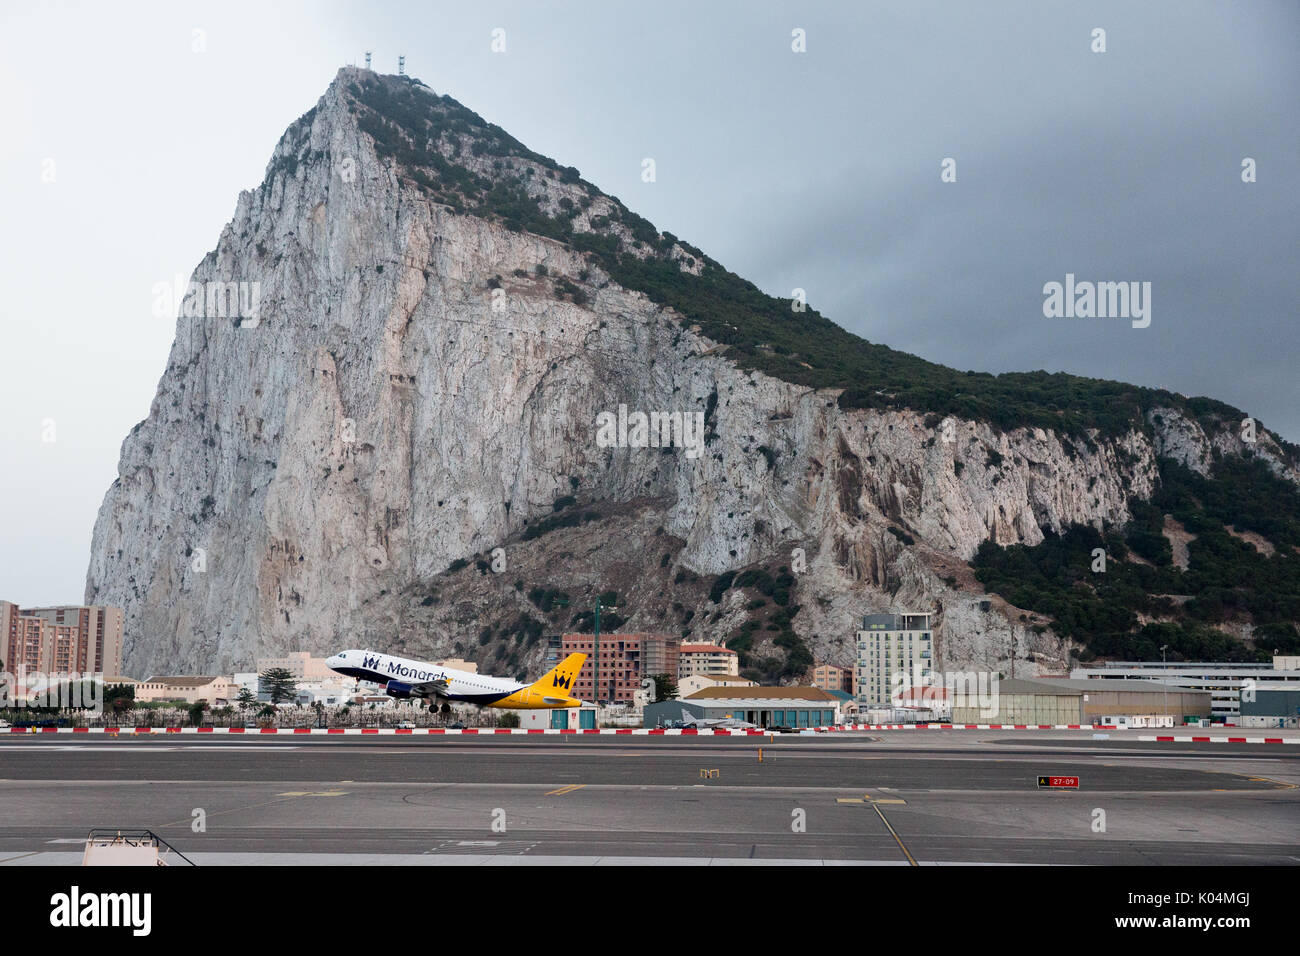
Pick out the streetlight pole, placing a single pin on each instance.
(1163, 675)
(595, 646)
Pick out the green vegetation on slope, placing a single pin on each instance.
(1230, 579)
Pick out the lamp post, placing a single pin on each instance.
(595, 646)
(1163, 675)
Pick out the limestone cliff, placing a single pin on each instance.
(416, 385)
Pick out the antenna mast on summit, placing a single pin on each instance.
(367, 59)
(401, 66)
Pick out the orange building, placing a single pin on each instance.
(625, 660)
(832, 677)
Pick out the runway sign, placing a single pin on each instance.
(1058, 783)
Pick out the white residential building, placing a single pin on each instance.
(895, 652)
(698, 682)
(708, 659)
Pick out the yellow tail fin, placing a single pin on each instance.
(560, 680)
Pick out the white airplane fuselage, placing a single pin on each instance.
(403, 678)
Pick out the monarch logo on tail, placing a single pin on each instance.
(552, 689)
(563, 674)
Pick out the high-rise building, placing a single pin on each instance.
(25, 644)
(69, 639)
(895, 653)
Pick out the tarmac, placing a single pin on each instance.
(918, 798)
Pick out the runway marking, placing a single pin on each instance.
(895, 835)
(568, 788)
(502, 849)
(850, 800)
(314, 793)
(218, 813)
(1278, 783)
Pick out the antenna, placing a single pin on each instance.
(367, 59)
(401, 65)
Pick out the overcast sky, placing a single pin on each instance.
(128, 136)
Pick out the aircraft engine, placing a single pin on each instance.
(395, 688)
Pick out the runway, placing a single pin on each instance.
(946, 798)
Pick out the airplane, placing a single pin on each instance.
(730, 723)
(405, 679)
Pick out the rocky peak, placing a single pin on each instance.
(393, 443)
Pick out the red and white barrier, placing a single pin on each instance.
(1188, 739)
(629, 731)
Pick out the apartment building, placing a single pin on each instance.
(894, 651)
(832, 677)
(65, 639)
(698, 682)
(709, 660)
(298, 663)
(619, 663)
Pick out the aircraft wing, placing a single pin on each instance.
(429, 688)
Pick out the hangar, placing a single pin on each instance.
(762, 706)
(1078, 701)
